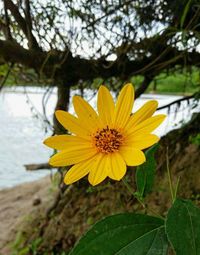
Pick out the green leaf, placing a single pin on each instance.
(124, 234)
(183, 227)
(146, 172)
(186, 9)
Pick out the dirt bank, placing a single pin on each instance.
(15, 204)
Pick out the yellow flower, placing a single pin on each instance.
(102, 144)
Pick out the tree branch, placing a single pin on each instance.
(64, 67)
(13, 52)
(145, 84)
(22, 24)
(34, 167)
(7, 23)
(32, 41)
(178, 101)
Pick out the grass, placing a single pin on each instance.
(177, 83)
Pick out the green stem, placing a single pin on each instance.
(132, 192)
(155, 213)
(170, 178)
(139, 200)
(176, 188)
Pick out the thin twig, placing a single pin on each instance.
(176, 102)
(6, 76)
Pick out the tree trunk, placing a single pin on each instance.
(63, 93)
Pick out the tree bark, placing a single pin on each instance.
(63, 100)
(145, 84)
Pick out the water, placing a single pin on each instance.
(22, 130)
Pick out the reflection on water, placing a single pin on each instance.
(22, 133)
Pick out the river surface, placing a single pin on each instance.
(22, 129)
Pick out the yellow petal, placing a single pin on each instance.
(141, 141)
(99, 169)
(85, 113)
(124, 106)
(105, 105)
(148, 125)
(132, 156)
(78, 171)
(117, 166)
(146, 111)
(61, 142)
(72, 156)
(71, 123)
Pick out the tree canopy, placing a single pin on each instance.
(72, 41)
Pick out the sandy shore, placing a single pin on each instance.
(15, 204)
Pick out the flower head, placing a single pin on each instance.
(103, 144)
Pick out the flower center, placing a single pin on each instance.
(107, 140)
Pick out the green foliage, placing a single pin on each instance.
(18, 76)
(187, 82)
(145, 174)
(186, 10)
(130, 233)
(183, 227)
(126, 233)
(123, 234)
(3, 72)
(55, 253)
(31, 248)
(173, 83)
(195, 139)
(23, 251)
(17, 249)
(34, 245)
